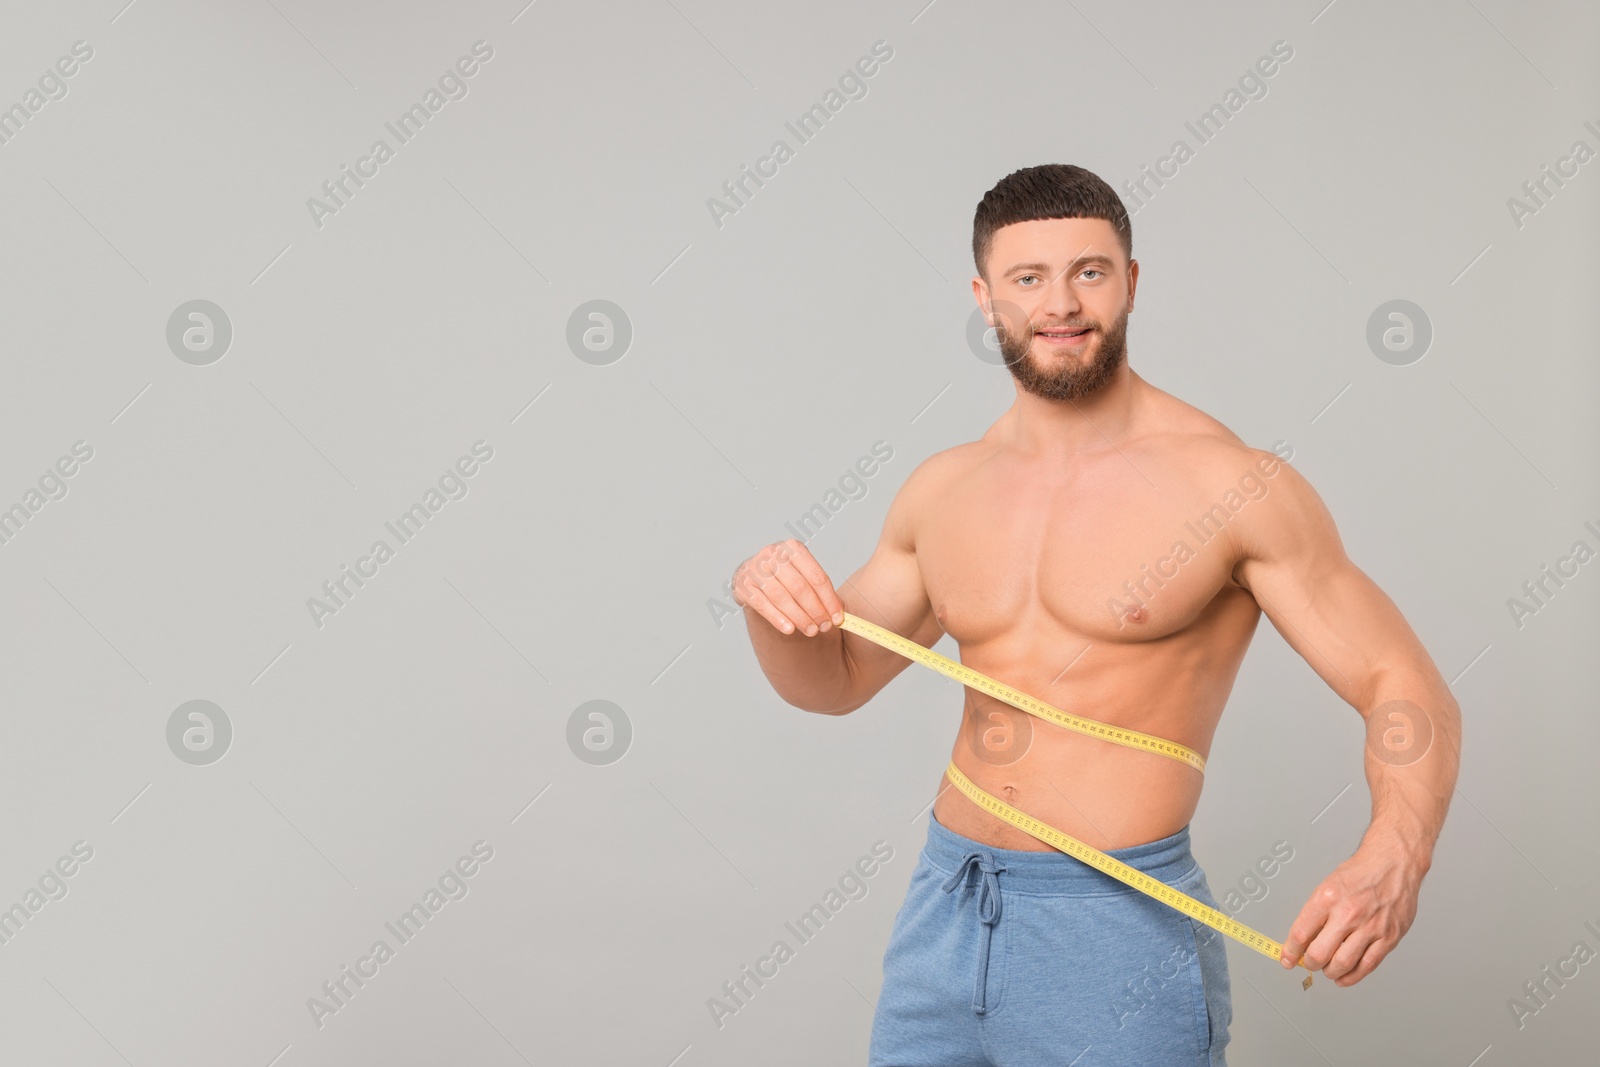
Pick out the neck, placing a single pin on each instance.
(1035, 424)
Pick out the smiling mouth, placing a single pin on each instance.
(1069, 336)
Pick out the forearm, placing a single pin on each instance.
(1412, 756)
(811, 673)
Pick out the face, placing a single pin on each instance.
(1058, 296)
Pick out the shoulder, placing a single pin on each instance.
(1200, 448)
(1162, 412)
(929, 482)
(938, 471)
(1262, 500)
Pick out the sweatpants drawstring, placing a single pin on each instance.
(988, 914)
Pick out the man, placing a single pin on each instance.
(1108, 549)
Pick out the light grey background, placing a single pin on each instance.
(587, 558)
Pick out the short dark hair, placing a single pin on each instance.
(1049, 191)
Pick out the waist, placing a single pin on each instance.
(1104, 795)
(1167, 859)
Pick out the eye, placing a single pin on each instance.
(1093, 270)
(1024, 278)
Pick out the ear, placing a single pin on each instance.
(980, 293)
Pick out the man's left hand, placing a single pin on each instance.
(1358, 914)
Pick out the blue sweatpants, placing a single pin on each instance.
(1009, 958)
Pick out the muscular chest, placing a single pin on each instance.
(1095, 553)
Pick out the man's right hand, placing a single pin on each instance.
(789, 588)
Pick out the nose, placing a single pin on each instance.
(1058, 300)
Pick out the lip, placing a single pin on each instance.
(1062, 341)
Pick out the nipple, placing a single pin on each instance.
(1136, 613)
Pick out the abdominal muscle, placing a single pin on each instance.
(1104, 794)
(1110, 800)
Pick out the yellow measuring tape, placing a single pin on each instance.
(1131, 876)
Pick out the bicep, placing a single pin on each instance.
(888, 590)
(1327, 609)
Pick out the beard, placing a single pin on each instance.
(1065, 380)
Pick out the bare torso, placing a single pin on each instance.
(1025, 559)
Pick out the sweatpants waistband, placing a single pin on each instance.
(1167, 859)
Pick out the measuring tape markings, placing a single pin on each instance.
(1079, 850)
(1018, 699)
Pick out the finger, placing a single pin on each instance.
(807, 565)
(790, 614)
(755, 598)
(1348, 954)
(1370, 959)
(1322, 948)
(805, 597)
(1306, 926)
(744, 582)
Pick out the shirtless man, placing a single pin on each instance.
(1109, 549)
